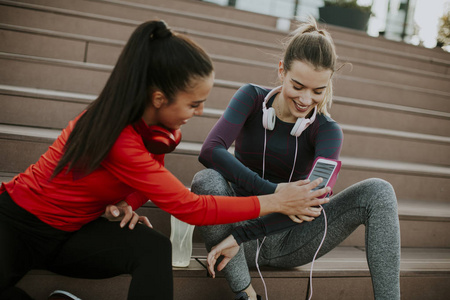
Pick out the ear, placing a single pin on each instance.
(281, 70)
(158, 99)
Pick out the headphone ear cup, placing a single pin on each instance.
(162, 140)
(300, 126)
(269, 118)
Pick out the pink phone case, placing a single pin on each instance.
(333, 177)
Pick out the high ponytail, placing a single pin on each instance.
(315, 46)
(154, 58)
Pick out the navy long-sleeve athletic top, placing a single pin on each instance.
(241, 123)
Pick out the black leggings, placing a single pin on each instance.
(101, 249)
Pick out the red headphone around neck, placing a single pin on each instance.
(157, 139)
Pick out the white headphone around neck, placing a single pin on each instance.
(269, 116)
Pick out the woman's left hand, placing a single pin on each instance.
(124, 213)
(228, 248)
(301, 218)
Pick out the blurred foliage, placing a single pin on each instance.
(348, 4)
(443, 37)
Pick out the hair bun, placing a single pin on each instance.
(161, 30)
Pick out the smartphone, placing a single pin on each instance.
(327, 169)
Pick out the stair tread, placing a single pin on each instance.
(193, 148)
(216, 113)
(82, 97)
(235, 39)
(339, 262)
(414, 51)
(424, 209)
(220, 58)
(343, 261)
(99, 73)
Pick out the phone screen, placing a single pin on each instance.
(322, 170)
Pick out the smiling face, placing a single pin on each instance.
(184, 106)
(303, 88)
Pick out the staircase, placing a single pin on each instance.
(393, 105)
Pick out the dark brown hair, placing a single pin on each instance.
(154, 58)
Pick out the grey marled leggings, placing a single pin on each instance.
(371, 202)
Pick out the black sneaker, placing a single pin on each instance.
(62, 295)
(244, 296)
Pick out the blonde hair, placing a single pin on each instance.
(315, 46)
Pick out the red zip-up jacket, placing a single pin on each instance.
(128, 173)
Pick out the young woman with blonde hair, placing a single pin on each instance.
(278, 134)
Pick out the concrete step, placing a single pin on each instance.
(51, 109)
(410, 180)
(390, 116)
(212, 10)
(37, 108)
(260, 73)
(75, 76)
(175, 18)
(425, 61)
(59, 45)
(345, 110)
(32, 107)
(347, 37)
(339, 32)
(357, 36)
(375, 143)
(395, 74)
(224, 44)
(343, 272)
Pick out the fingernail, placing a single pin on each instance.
(115, 213)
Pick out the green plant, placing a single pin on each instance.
(443, 37)
(349, 4)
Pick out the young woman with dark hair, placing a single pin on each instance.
(278, 134)
(109, 161)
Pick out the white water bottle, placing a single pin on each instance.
(181, 238)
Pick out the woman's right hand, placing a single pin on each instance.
(301, 218)
(295, 198)
(228, 248)
(124, 213)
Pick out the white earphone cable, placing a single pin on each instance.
(258, 249)
(264, 154)
(295, 158)
(315, 255)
